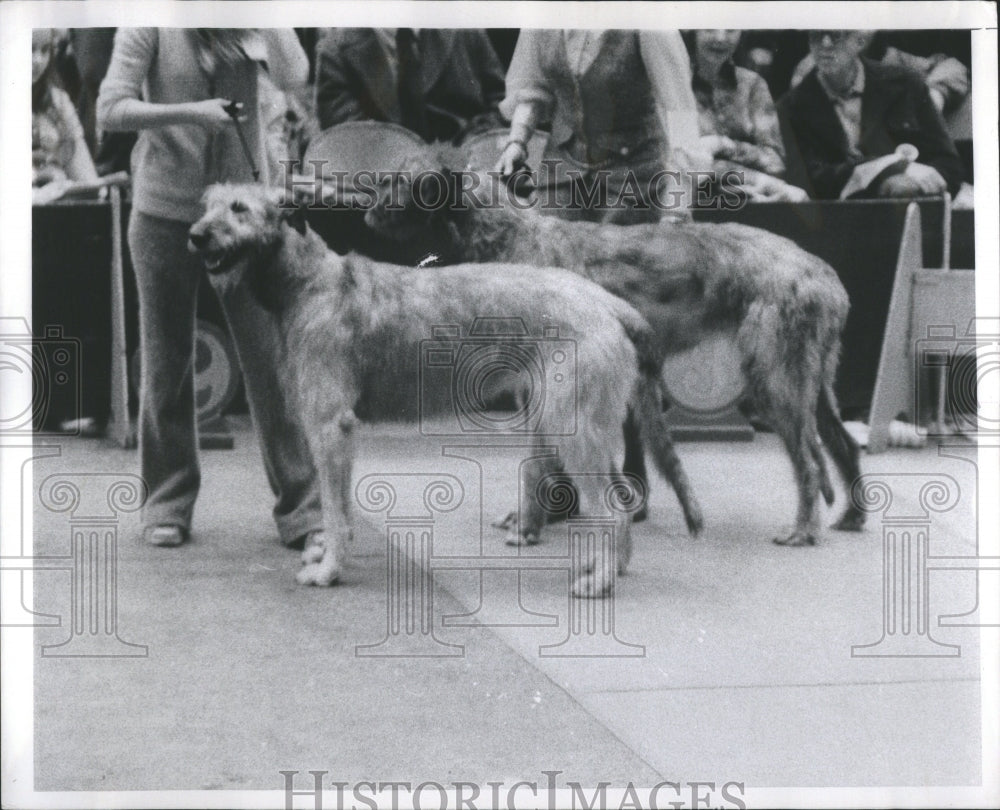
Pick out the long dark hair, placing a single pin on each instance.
(220, 46)
(41, 90)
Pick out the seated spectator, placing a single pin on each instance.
(92, 52)
(736, 117)
(442, 84)
(59, 154)
(946, 78)
(849, 110)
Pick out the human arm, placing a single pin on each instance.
(946, 78)
(287, 63)
(523, 123)
(669, 70)
(821, 162)
(120, 107)
(529, 100)
(488, 68)
(765, 152)
(80, 166)
(336, 99)
(934, 144)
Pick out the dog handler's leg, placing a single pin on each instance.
(287, 458)
(167, 278)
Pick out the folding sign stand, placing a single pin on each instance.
(927, 305)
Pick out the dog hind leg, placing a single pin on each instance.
(825, 485)
(797, 439)
(846, 455)
(655, 433)
(635, 460)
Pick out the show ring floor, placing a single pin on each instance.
(745, 671)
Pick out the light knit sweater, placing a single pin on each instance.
(172, 165)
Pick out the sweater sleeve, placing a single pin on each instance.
(134, 51)
(526, 80)
(287, 63)
(669, 69)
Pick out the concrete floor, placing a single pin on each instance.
(747, 673)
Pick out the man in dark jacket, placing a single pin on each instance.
(849, 110)
(443, 84)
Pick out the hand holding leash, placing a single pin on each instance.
(521, 181)
(211, 113)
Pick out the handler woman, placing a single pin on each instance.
(173, 85)
(621, 107)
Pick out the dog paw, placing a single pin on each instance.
(695, 523)
(593, 586)
(317, 574)
(314, 548)
(505, 522)
(518, 539)
(850, 523)
(796, 539)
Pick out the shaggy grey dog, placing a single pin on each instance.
(785, 307)
(354, 330)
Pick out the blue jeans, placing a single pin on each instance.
(168, 277)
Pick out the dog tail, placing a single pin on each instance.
(845, 451)
(648, 409)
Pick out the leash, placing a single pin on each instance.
(233, 110)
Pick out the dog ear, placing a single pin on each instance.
(291, 210)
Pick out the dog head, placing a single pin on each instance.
(241, 222)
(408, 201)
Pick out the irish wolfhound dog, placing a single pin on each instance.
(353, 331)
(785, 307)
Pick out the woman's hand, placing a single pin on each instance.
(50, 192)
(718, 146)
(211, 114)
(514, 154)
(47, 174)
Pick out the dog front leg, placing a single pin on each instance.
(608, 555)
(532, 514)
(333, 450)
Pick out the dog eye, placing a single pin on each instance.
(237, 207)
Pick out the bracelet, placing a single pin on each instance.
(519, 142)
